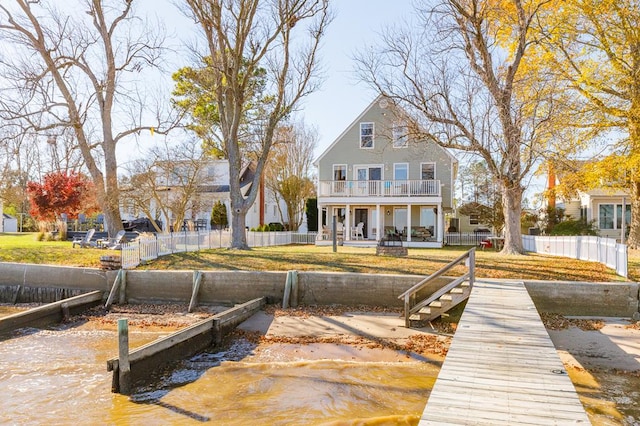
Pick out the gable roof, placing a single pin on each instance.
(357, 120)
(344, 132)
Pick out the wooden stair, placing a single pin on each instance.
(443, 299)
(440, 307)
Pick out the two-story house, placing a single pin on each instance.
(377, 179)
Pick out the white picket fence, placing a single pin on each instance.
(596, 249)
(148, 248)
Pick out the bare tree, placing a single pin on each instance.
(275, 42)
(166, 182)
(288, 170)
(80, 67)
(460, 77)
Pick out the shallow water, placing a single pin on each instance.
(60, 377)
(6, 310)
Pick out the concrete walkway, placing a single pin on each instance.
(502, 368)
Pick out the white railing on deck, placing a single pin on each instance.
(596, 249)
(147, 248)
(378, 188)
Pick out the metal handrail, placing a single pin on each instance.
(410, 293)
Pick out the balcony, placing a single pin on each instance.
(379, 188)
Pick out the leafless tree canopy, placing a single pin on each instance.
(289, 168)
(81, 66)
(165, 183)
(459, 74)
(278, 41)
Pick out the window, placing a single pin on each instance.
(474, 219)
(627, 216)
(339, 178)
(366, 135)
(401, 171)
(399, 135)
(608, 218)
(428, 171)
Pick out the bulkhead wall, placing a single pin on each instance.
(619, 299)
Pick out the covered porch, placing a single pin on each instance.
(416, 224)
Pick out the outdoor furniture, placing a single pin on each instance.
(114, 243)
(497, 242)
(339, 230)
(86, 240)
(420, 233)
(357, 231)
(326, 233)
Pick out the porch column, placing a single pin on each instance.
(347, 223)
(440, 224)
(378, 225)
(320, 233)
(408, 223)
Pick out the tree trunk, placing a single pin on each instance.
(238, 224)
(512, 208)
(633, 241)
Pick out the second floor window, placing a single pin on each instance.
(474, 219)
(366, 135)
(428, 171)
(400, 171)
(340, 172)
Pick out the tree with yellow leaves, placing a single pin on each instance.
(594, 46)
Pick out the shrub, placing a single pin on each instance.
(574, 227)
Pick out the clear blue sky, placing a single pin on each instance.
(341, 97)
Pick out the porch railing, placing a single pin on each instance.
(379, 188)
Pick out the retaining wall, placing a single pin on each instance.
(585, 299)
(314, 288)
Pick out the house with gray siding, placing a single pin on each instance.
(377, 179)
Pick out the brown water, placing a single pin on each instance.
(59, 377)
(6, 310)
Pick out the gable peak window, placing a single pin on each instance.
(400, 135)
(366, 135)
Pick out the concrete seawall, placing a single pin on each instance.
(315, 288)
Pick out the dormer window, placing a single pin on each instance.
(366, 135)
(399, 135)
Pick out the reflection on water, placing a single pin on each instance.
(60, 377)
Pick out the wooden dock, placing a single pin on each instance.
(502, 367)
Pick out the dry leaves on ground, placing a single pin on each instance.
(560, 322)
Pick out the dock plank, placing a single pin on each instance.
(502, 368)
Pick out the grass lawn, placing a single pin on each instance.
(24, 248)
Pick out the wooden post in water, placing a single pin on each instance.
(124, 369)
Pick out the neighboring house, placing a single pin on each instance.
(470, 222)
(605, 207)
(376, 174)
(213, 185)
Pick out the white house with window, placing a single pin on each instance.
(606, 208)
(376, 179)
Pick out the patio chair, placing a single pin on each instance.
(357, 232)
(114, 243)
(86, 240)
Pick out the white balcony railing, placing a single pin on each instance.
(379, 188)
